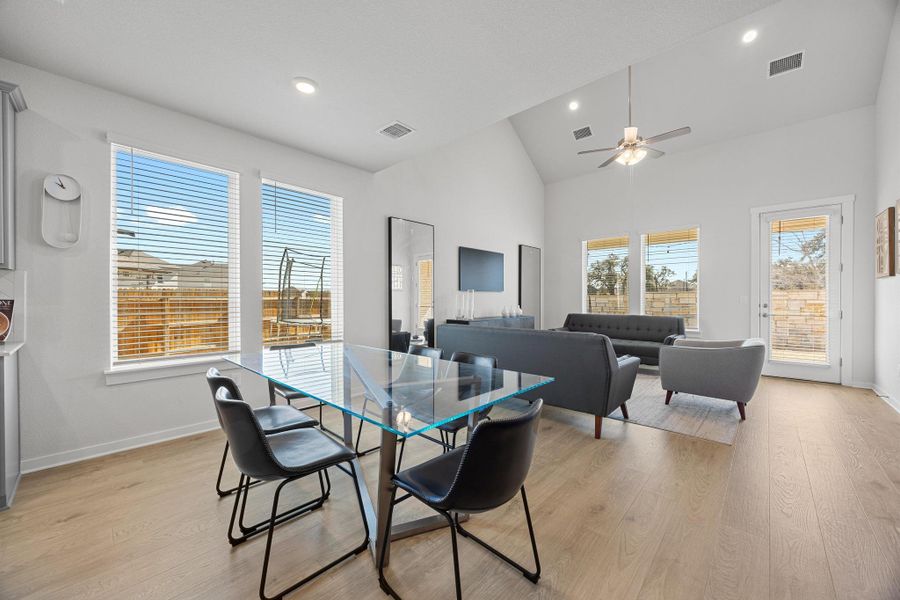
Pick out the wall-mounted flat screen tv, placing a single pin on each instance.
(480, 270)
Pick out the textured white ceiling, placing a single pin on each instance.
(445, 68)
(719, 86)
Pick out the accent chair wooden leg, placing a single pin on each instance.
(742, 410)
(668, 396)
(624, 410)
(598, 425)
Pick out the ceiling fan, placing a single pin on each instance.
(632, 148)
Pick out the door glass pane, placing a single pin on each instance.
(798, 279)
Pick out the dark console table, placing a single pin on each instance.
(523, 322)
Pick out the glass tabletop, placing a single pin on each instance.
(403, 393)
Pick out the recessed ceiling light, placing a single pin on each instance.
(749, 36)
(573, 105)
(305, 85)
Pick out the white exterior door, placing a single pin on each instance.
(800, 293)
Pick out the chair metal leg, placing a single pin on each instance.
(249, 531)
(455, 553)
(359, 434)
(531, 576)
(271, 529)
(314, 504)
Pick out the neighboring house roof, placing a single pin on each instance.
(138, 260)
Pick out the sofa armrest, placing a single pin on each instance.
(622, 381)
(558, 329)
(670, 340)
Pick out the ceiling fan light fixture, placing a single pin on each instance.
(631, 156)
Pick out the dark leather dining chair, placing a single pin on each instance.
(483, 475)
(286, 456)
(273, 418)
(432, 353)
(483, 364)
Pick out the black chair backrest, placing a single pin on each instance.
(495, 462)
(215, 379)
(432, 353)
(249, 448)
(481, 367)
(479, 360)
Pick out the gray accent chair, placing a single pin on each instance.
(637, 335)
(726, 369)
(589, 376)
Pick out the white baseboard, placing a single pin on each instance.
(890, 400)
(866, 385)
(30, 465)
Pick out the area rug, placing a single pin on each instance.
(697, 416)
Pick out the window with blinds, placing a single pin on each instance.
(174, 257)
(302, 242)
(671, 261)
(605, 267)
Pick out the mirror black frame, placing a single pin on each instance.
(390, 264)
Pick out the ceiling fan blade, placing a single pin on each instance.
(653, 152)
(598, 150)
(667, 135)
(610, 160)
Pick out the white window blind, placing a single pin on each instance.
(174, 257)
(606, 275)
(671, 277)
(303, 271)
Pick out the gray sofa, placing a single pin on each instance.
(637, 335)
(727, 369)
(589, 377)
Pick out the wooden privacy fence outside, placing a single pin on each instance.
(154, 323)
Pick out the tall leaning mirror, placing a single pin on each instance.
(411, 281)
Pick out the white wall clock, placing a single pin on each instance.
(61, 211)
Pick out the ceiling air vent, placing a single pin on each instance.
(396, 130)
(785, 64)
(582, 133)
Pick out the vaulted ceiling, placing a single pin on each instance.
(719, 86)
(445, 68)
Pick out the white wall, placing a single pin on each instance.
(887, 157)
(483, 192)
(714, 187)
(68, 411)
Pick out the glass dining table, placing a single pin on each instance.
(404, 395)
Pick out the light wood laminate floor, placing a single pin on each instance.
(805, 504)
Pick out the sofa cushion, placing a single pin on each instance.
(636, 347)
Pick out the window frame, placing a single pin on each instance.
(137, 369)
(643, 273)
(337, 250)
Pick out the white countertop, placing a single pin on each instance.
(10, 348)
